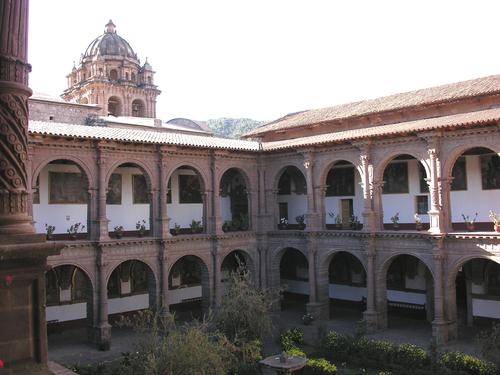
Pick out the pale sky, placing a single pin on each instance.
(263, 59)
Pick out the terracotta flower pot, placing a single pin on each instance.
(470, 227)
(497, 228)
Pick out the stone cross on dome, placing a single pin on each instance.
(110, 27)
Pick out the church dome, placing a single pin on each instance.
(110, 44)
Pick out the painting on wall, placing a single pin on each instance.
(139, 189)
(490, 171)
(396, 178)
(67, 188)
(189, 189)
(114, 195)
(340, 182)
(459, 175)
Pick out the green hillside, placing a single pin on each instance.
(232, 127)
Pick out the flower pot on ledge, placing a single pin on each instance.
(282, 226)
(497, 228)
(470, 227)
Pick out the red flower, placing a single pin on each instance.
(9, 279)
(1, 364)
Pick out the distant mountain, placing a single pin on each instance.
(232, 127)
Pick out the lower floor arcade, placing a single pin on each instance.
(446, 282)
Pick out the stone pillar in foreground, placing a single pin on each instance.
(23, 253)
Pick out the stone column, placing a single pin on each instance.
(23, 253)
(252, 197)
(216, 266)
(370, 316)
(101, 227)
(312, 214)
(436, 217)
(446, 203)
(319, 193)
(440, 328)
(319, 309)
(369, 215)
(102, 333)
(262, 265)
(378, 210)
(216, 227)
(272, 212)
(164, 305)
(208, 222)
(163, 221)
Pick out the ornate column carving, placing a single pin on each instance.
(436, 217)
(312, 214)
(164, 305)
(163, 221)
(216, 217)
(319, 309)
(369, 215)
(217, 293)
(319, 192)
(376, 192)
(102, 336)
(440, 328)
(272, 208)
(101, 227)
(23, 253)
(371, 316)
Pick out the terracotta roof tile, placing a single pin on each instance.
(463, 119)
(139, 135)
(453, 91)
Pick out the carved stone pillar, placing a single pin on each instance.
(162, 221)
(369, 215)
(272, 211)
(319, 193)
(436, 217)
(217, 284)
(216, 219)
(164, 305)
(319, 309)
(102, 332)
(101, 227)
(208, 221)
(312, 214)
(440, 328)
(252, 197)
(370, 316)
(23, 253)
(378, 210)
(445, 186)
(262, 266)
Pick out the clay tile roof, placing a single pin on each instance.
(139, 136)
(462, 119)
(432, 95)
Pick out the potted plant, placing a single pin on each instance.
(73, 230)
(140, 226)
(49, 230)
(307, 319)
(336, 219)
(283, 224)
(301, 221)
(177, 229)
(244, 222)
(418, 222)
(354, 223)
(469, 222)
(496, 221)
(118, 231)
(395, 221)
(196, 226)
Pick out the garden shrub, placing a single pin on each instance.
(374, 353)
(466, 364)
(295, 352)
(319, 366)
(292, 338)
(411, 356)
(337, 346)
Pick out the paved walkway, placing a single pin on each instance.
(71, 348)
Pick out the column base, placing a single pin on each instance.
(441, 332)
(436, 222)
(319, 310)
(374, 321)
(102, 336)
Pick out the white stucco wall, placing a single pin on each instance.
(297, 205)
(62, 216)
(182, 214)
(295, 286)
(486, 308)
(405, 204)
(474, 199)
(332, 204)
(63, 313)
(406, 297)
(130, 303)
(127, 214)
(181, 294)
(225, 208)
(347, 292)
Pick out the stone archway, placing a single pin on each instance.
(294, 279)
(189, 287)
(129, 189)
(131, 287)
(61, 199)
(234, 201)
(291, 198)
(69, 298)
